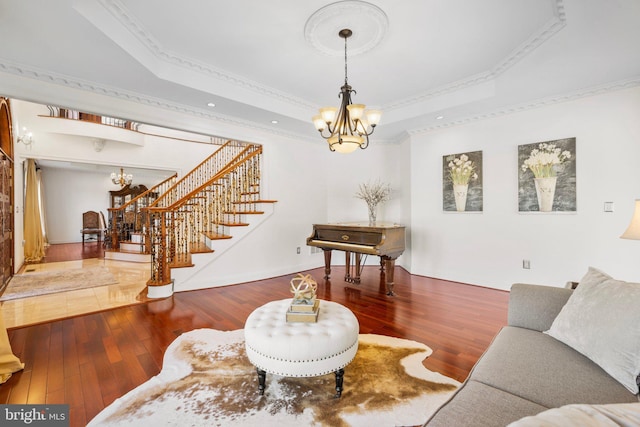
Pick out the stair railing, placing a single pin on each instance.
(201, 173)
(176, 230)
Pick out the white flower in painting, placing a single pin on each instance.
(541, 160)
(461, 170)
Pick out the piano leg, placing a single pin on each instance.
(347, 266)
(348, 277)
(327, 263)
(358, 267)
(389, 266)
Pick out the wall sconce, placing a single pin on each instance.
(26, 138)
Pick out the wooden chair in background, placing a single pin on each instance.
(92, 225)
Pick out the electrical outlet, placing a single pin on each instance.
(526, 264)
(298, 250)
(608, 206)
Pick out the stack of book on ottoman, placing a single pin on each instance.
(304, 307)
(303, 312)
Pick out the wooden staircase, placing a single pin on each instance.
(190, 217)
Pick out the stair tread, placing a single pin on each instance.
(217, 236)
(124, 251)
(246, 202)
(200, 248)
(231, 224)
(181, 261)
(244, 213)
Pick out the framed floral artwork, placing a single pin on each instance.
(462, 182)
(547, 176)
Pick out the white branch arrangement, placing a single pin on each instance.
(373, 194)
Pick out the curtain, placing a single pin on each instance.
(43, 209)
(9, 363)
(33, 238)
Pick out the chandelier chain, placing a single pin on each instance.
(345, 60)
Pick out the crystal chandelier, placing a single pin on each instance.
(121, 178)
(349, 126)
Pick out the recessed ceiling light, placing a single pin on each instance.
(275, 122)
(211, 104)
(439, 117)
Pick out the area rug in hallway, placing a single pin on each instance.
(50, 282)
(207, 380)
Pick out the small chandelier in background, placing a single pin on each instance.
(121, 178)
(350, 125)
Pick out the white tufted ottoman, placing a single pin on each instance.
(301, 349)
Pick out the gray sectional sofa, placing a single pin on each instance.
(525, 371)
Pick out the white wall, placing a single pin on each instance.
(343, 173)
(66, 196)
(488, 248)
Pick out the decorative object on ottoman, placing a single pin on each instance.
(305, 306)
(301, 349)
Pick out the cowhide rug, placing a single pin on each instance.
(207, 380)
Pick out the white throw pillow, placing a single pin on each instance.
(579, 415)
(601, 320)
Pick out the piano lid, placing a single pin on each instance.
(361, 224)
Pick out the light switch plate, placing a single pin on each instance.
(608, 206)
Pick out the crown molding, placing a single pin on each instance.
(553, 26)
(542, 102)
(128, 22)
(79, 84)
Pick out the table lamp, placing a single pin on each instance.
(633, 231)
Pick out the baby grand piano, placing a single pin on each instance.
(385, 240)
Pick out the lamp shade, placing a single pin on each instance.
(345, 145)
(319, 123)
(633, 231)
(328, 114)
(373, 117)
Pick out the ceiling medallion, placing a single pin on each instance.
(367, 21)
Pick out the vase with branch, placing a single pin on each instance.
(461, 171)
(373, 194)
(543, 162)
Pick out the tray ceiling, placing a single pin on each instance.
(263, 61)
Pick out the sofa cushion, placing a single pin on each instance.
(476, 404)
(600, 320)
(614, 415)
(534, 306)
(543, 370)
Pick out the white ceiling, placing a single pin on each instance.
(460, 59)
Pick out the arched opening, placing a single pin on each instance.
(6, 194)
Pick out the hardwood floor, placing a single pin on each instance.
(88, 361)
(73, 251)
